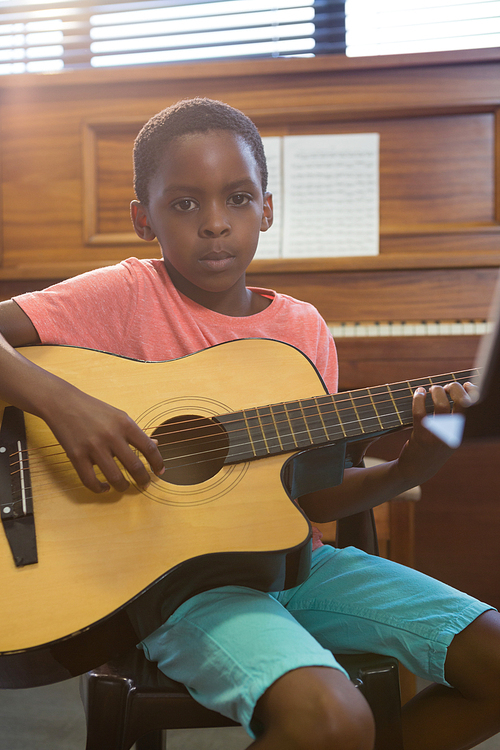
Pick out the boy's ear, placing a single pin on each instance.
(267, 215)
(140, 220)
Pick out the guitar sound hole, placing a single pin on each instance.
(193, 448)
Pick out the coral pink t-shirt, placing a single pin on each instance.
(134, 310)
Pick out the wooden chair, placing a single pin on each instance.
(130, 701)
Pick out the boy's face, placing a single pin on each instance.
(206, 208)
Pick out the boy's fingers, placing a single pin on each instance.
(472, 392)
(113, 474)
(132, 462)
(461, 395)
(440, 399)
(88, 477)
(149, 449)
(419, 410)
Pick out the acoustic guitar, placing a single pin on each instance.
(84, 577)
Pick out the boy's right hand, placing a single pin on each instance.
(95, 434)
(92, 433)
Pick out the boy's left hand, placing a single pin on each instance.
(424, 454)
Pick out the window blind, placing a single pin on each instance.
(40, 36)
(385, 27)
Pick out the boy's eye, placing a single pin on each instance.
(186, 204)
(239, 199)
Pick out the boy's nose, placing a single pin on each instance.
(214, 224)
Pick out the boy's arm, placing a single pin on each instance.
(91, 432)
(421, 457)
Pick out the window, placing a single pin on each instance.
(41, 36)
(30, 45)
(385, 27)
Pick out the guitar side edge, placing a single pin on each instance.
(123, 629)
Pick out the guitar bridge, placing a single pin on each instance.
(16, 500)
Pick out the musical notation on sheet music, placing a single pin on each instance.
(368, 329)
(326, 196)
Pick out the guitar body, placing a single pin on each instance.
(112, 567)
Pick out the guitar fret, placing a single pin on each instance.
(384, 405)
(389, 391)
(297, 424)
(255, 432)
(283, 426)
(305, 423)
(269, 430)
(292, 434)
(314, 421)
(357, 413)
(249, 433)
(276, 427)
(366, 411)
(374, 407)
(349, 421)
(406, 406)
(404, 397)
(338, 422)
(262, 430)
(323, 425)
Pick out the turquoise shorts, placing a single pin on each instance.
(228, 645)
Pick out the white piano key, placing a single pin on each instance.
(404, 328)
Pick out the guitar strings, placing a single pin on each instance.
(288, 413)
(67, 466)
(323, 399)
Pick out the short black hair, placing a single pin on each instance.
(196, 115)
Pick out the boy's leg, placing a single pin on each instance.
(448, 718)
(354, 602)
(239, 652)
(314, 707)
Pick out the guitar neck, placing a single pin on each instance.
(352, 416)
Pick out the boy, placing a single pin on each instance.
(200, 181)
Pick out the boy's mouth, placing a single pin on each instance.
(217, 261)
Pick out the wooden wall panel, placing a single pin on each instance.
(374, 361)
(114, 178)
(431, 294)
(65, 143)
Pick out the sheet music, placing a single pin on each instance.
(331, 195)
(326, 196)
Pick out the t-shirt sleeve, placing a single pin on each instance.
(91, 310)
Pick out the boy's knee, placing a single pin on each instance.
(473, 659)
(348, 727)
(317, 707)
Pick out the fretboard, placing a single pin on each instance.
(294, 425)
